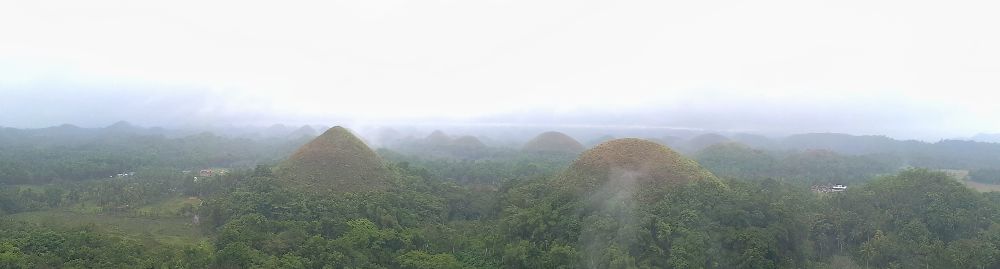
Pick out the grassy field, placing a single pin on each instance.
(172, 230)
(172, 206)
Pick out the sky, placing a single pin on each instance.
(908, 69)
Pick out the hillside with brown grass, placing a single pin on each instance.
(553, 142)
(630, 162)
(337, 161)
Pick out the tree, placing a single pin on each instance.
(11, 257)
(262, 171)
(237, 255)
(421, 260)
(971, 253)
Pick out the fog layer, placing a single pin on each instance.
(902, 68)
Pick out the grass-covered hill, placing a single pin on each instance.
(440, 145)
(630, 162)
(627, 203)
(336, 160)
(553, 142)
(703, 141)
(437, 138)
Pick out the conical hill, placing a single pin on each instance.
(437, 138)
(338, 161)
(630, 164)
(467, 142)
(553, 142)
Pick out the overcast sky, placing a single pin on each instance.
(911, 69)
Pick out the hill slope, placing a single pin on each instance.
(437, 138)
(630, 163)
(703, 141)
(338, 161)
(553, 142)
(467, 142)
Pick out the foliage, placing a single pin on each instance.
(44, 156)
(509, 209)
(988, 176)
(732, 160)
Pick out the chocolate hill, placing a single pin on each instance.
(703, 141)
(599, 140)
(668, 141)
(629, 164)
(463, 147)
(755, 141)
(553, 142)
(467, 143)
(437, 138)
(336, 161)
(305, 130)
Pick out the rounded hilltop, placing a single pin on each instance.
(601, 139)
(703, 141)
(629, 163)
(467, 142)
(437, 138)
(553, 142)
(337, 161)
(304, 131)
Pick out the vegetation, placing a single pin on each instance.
(988, 176)
(627, 203)
(945, 154)
(68, 153)
(628, 163)
(734, 160)
(440, 145)
(703, 141)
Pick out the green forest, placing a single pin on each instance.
(90, 199)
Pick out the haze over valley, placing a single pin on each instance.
(499, 134)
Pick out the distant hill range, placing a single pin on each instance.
(440, 145)
(944, 154)
(981, 153)
(69, 152)
(71, 133)
(990, 138)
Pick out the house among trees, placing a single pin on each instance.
(212, 172)
(827, 188)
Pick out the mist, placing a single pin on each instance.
(898, 68)
(499, 134)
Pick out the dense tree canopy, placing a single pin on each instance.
(505, 209)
